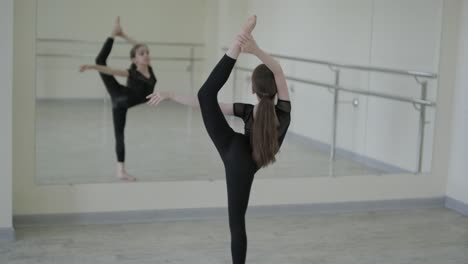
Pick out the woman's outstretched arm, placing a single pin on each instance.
(187, 100)
(104, 69)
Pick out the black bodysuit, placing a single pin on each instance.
(235, 150)
(124, 97)
(283, 112)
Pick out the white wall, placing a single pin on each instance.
(231, 15)
(179, 21)
(394, 34)
(30, 198)
(211, 32)
(457, 186)
(6, 107)
(406, 35)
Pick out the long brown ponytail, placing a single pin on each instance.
(265, 126)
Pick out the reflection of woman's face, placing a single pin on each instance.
(142, 56)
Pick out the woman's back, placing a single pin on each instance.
(283, 112)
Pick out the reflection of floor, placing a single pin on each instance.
(75, 144)
(422, 236)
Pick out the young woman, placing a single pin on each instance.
(265, 127)
(140, 83)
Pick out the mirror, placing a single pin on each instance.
(363, 86)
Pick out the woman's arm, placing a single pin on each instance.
(104, 69)
(192, 101)
(129, 39)
(251, 46)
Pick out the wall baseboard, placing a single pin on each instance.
(348, 154)
(456, 205)
(7, 234)
(221, 212)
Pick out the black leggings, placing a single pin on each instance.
(121, 100)
(236, 153)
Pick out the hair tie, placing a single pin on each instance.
(266, 95)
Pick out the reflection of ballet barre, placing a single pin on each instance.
(116, 57)
(419, 104)
(191, 59)
(180, 44)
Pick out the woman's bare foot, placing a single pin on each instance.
(117, 30)
(249, 25)
(247, 28)
(123, 174)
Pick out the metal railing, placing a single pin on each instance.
(420, 104)
(358, 67)
(181, 44)
(65, 55)
(191, 59)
